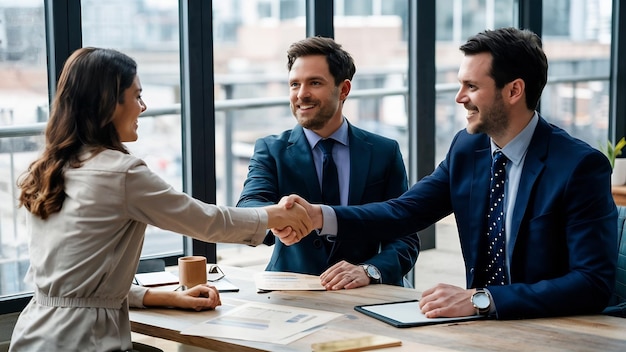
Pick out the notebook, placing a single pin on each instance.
(164, 278)
(156, 278)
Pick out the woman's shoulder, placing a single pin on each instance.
(111, 160)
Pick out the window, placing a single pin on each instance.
(147, 31)
(23, 103)
(253, 66)
(250, 42)
(577, 95)
(458, 20)
(382, 72)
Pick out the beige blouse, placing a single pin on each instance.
(83, 259)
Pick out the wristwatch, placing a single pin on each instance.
(481, 300)
(372, 272)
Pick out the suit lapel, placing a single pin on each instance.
(534, 163)
(302, 159)
(360, 159)
(478, 202)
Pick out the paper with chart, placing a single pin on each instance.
(263, 322)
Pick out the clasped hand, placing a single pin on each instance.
(310, 218)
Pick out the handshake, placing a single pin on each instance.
(293, 218)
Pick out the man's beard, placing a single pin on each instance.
(494, 120)
(317, 122)
(325, 114)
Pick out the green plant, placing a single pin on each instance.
(613, 151)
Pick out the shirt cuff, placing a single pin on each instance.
(492, 306)
(330, 222)
(135, 296)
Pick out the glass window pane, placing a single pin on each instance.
(577, 41)
(147, 31)
(250, 62)
(382, 72)
(23, 101)
(457, 20)
(355, 7)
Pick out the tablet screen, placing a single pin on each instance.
(405, 314)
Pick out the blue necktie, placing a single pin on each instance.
(330, 178)
(496, 237)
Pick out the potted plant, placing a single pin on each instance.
(612, 151)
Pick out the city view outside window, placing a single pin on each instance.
(250, 62)
(147, 31)
(578, 51)
(23, 101)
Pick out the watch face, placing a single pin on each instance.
(481, 300)
(373, 272)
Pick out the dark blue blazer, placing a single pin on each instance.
(283, 165)
(563, 236)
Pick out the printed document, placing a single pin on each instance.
(263, 322)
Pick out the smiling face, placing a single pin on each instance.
(486, 111)
(126, 114)
(314, 99)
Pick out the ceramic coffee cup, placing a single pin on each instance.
(192, 271)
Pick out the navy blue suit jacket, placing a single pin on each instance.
(563, 239)
(283, 165)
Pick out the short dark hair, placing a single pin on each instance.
(340, 62)
(516, 53)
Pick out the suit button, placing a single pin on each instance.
(317, 243)
(471, 270)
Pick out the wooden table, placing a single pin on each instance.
(619, 194)
(578, 333)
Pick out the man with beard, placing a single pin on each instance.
(551, 249)
(368, 167)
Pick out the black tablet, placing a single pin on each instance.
(405, 314)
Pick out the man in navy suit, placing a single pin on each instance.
(369, 166)
(559, 218)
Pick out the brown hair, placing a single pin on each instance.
(340, 63)
(91, 85)
(516, 53)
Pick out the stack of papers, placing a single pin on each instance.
(284, 281)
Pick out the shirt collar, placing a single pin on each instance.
(340, 135)
(517, 147)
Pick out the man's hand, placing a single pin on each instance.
(447, 301)
(291, 222)
(288, 235)
(344, 275)
(314, 210)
